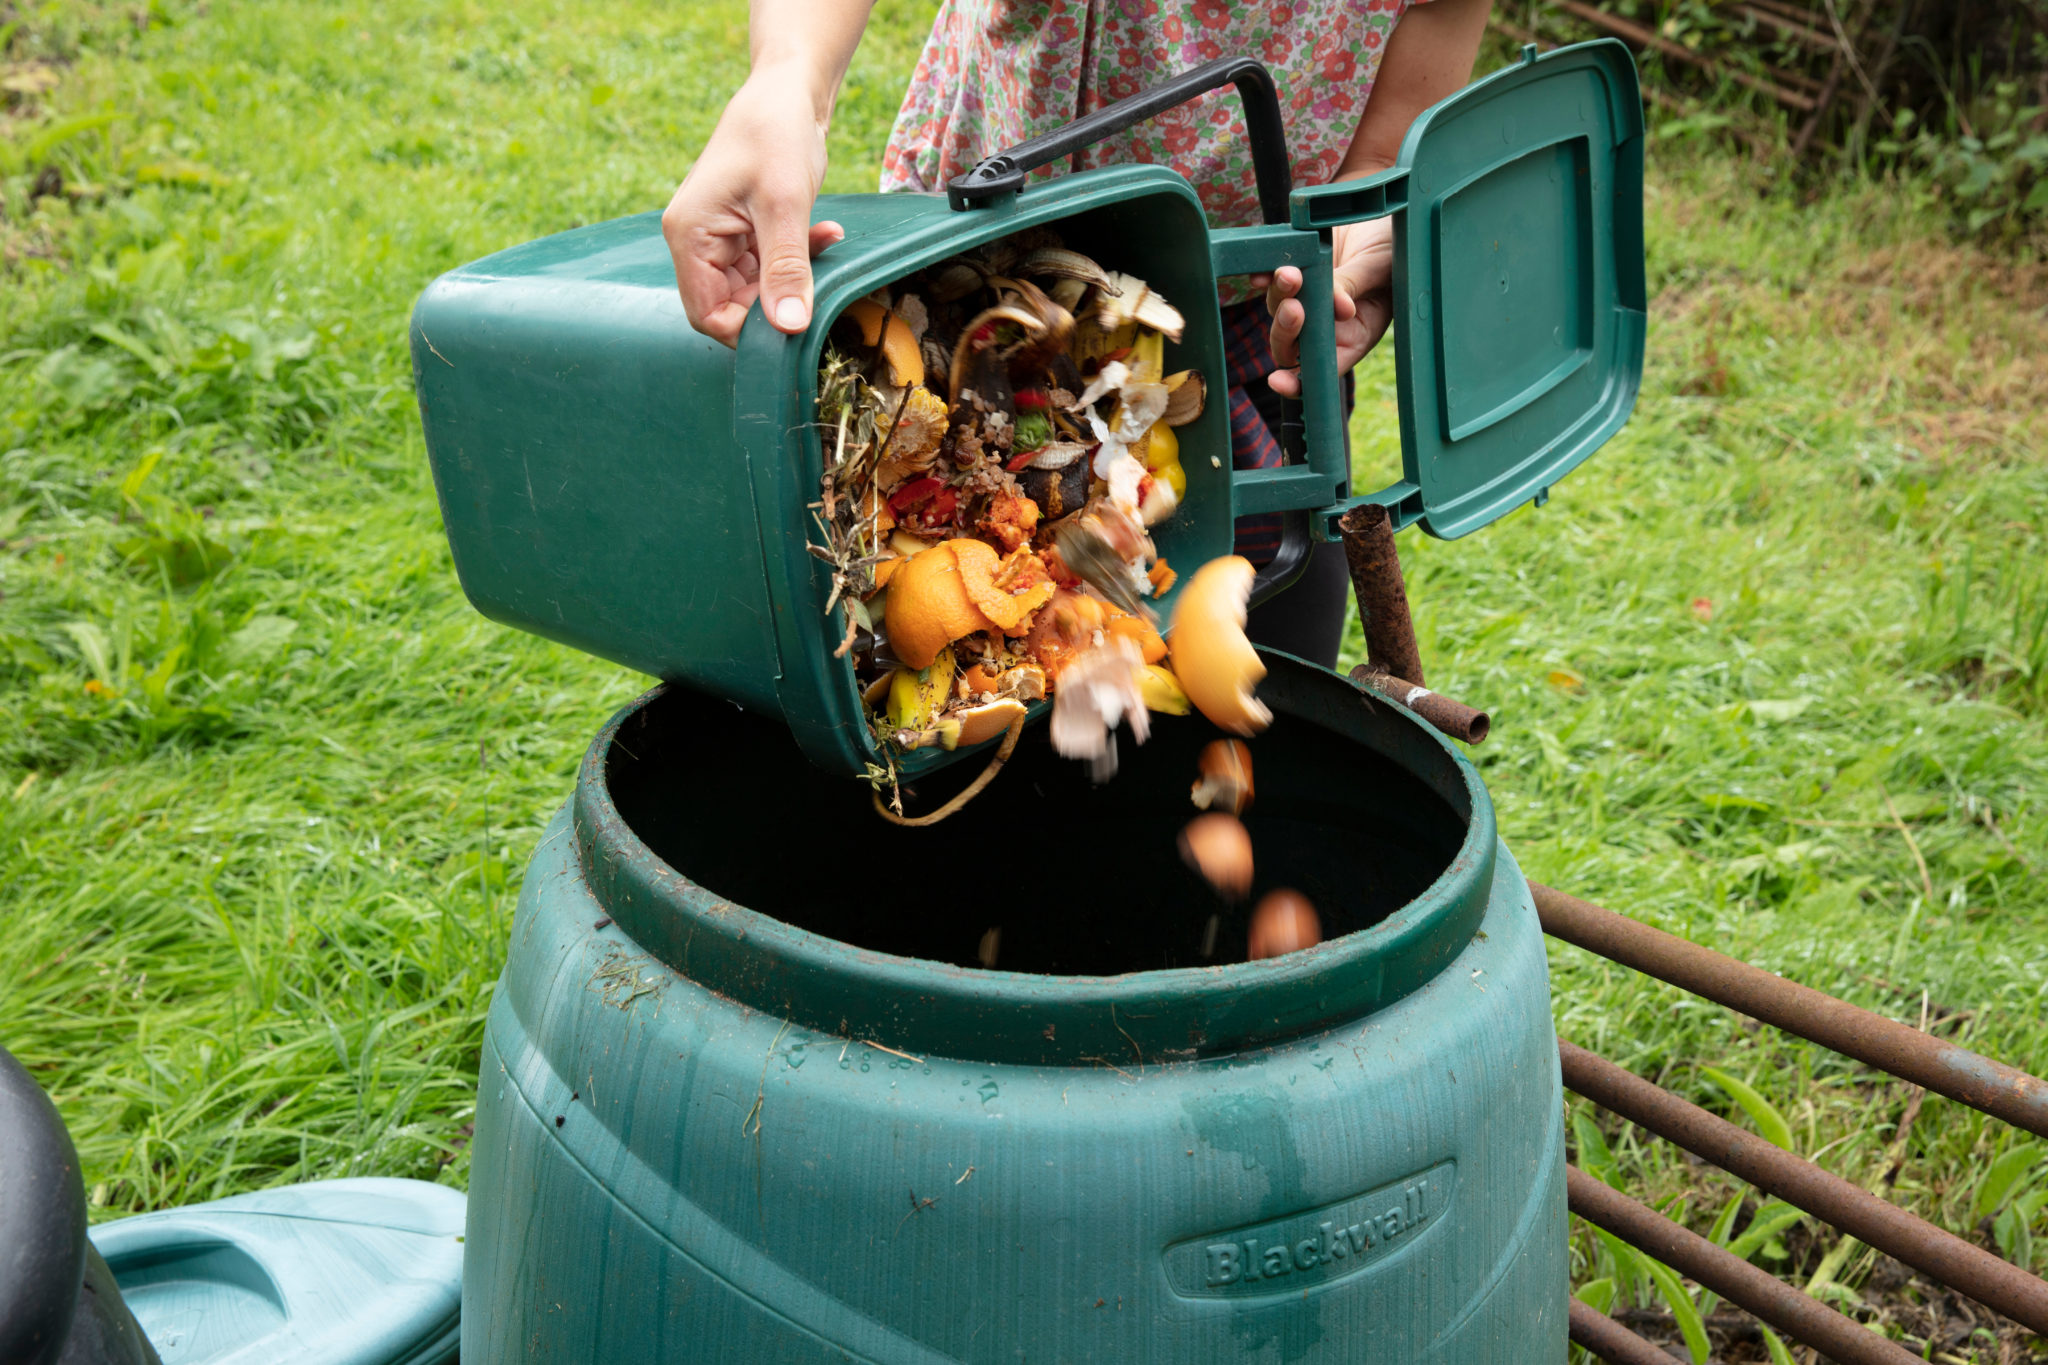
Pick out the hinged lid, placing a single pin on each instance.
(1518, 278)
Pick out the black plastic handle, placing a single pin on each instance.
(1004, 172)
(42, 1222)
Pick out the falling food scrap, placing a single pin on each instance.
(991, 943)
(1217, 846)
(1284, 922)
(1216, 664)
(1226, 781)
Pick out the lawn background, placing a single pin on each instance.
(1771, 672)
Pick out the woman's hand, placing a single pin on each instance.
(740, 226)
(1361, 290)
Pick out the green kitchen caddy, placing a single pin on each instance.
(610, 479)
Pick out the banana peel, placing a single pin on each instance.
(1162, 691)
(916, 696)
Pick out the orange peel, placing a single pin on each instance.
(1140, 633)
(979, 567)
(868, 316)
(980, 724)
(929, 607)
(880, 326)
(905, 547)
(1215, 662)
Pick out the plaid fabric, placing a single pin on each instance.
(1255, 415)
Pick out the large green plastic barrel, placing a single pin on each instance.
(747, 1094)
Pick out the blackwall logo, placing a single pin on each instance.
(1314, 1246)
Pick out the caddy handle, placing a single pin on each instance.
(1004, 172)
(1292, 488)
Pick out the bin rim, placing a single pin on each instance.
(925, 1007)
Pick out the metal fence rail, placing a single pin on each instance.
(1970, 1078)
(1906, 1053)
(1967, 1077)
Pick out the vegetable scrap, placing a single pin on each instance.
(1000, 437)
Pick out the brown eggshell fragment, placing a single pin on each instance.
(1218, 846)
(1213, 659)
(1284, 922)
(1226, 781)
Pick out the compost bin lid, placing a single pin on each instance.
(1518, 279)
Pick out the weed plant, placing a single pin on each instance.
(1770, 672)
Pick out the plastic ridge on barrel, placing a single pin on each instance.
(707, 1132)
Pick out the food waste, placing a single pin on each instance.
(1218, 847)
(999, 435)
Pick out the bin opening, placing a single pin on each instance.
(1082, 880)
(922, 495)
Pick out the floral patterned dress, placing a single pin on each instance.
(995, 72)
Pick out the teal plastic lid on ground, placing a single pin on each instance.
(335, 1272)
(1519, 297)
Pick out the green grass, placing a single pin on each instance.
(267, 783)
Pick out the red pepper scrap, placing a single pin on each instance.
(914, 492)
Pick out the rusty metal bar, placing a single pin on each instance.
(1519, 34)
(1461, 722)
(1805, 36)
(1382, 595)
(1657, 42)
(1949, 1259)
(1609, 1340)
(1803, 1318)
(1748, 135)
(1997, 1089)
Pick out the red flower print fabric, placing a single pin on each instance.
(996, 72)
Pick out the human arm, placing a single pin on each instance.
(1429, 57)
(739, 226)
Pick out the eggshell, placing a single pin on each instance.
(1217, 846)
(1283, 922)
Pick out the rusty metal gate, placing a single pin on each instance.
(1394, 670)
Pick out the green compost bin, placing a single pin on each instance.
(747, 1095)
(611, 479)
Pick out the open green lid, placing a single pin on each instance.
(1518, 280)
